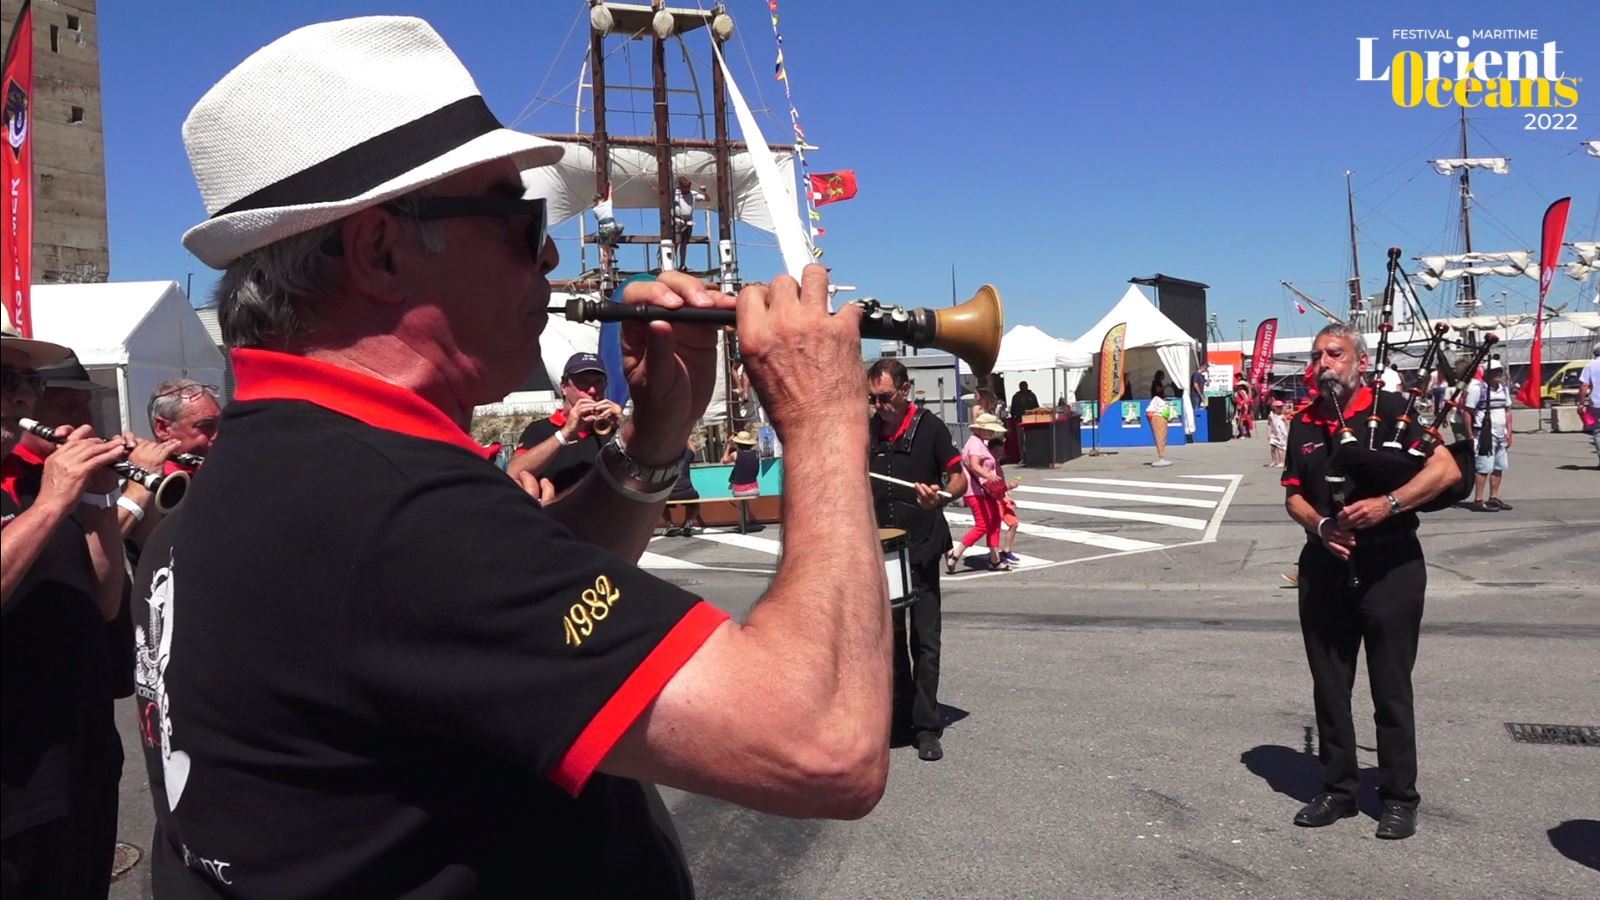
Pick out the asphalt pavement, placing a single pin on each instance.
(1130, 711)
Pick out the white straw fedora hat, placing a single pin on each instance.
(331, 119)
(989, 423)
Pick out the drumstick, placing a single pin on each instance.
(944, 495)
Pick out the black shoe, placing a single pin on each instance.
(1325, 810)
(1397, 823)
(674, 531)
(1480, 506)
(928, 748)
(1497, 503)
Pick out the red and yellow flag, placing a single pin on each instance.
(831, 187)
(16, 172)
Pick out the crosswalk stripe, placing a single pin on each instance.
(1124, 515)
(1071, 535)
(648, 560)
(1123, 482)
(735, 539)
(1117, 495)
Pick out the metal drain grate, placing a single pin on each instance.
(1579, 735)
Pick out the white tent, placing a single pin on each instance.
(1029, 353)
(1153, 342)
(131, 336)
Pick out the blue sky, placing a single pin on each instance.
(1048, 151)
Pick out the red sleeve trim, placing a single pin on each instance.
(1290, 482)
(638, 692)
(955, 462)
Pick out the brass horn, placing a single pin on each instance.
(970, 331)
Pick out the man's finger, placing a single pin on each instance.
(814, 286)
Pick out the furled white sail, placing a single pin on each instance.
(1588, 259)
(776, 189)
(568, 186)
(1510, 264)
(1499, 165)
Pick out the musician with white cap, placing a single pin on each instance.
(377, 667)
(61, 581)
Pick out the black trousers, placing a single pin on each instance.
(1385, 614)
(916, 655)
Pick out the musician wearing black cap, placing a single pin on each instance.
(562, 447)
(911, 444)
(1361, 582)
(375, 667)
(61, 582)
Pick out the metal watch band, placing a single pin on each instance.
(653, 477)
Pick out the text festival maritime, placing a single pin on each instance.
(1510, 79)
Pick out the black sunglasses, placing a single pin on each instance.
(885, 397)
(13, 379)
(430, 208)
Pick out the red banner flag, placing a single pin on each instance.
(1261, 358)
(16, 172)
(831, 187)
(1555, 225)
(1112, 376)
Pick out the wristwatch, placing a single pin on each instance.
(652, 478)
(101, 501)
(1394, 505)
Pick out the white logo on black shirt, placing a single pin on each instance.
(154, 656)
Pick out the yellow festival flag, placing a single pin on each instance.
(1112, 375)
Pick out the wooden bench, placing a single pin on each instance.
(760, 509)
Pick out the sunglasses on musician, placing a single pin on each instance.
(12, 379)
(882, 398)
(427, 209)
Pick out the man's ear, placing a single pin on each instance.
(374, 240)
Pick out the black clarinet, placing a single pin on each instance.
(192, 460)
(167, 489)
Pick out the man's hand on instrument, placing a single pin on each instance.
(805, 364)
(929, 496)
(1364, 513)
(82, 464)
(671, 367)
(1338, 540)
(149, 455)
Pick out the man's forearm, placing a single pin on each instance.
(1302, 512)
(21, 542)
(829, 636)
(104, 539)
(535, 459)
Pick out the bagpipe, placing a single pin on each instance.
(1397, 447)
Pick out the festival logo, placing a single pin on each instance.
(16, 118)
(1498, 68)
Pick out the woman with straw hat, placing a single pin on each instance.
(984, 488)
(746, 474)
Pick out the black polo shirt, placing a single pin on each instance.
(1312, 437)
(918, 450)
(571, 462)
(371, 666)
(58, 738)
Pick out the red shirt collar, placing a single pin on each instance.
(269, 375)
(1360, 401)
(911, 412)
(21, 452)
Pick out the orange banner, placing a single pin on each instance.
(1112, 374)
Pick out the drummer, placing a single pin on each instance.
(911, 444)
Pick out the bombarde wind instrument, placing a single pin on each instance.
(970, 331)
(167, 489)
(192, 460)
